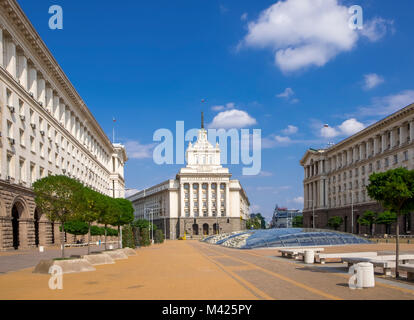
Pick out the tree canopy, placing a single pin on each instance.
(335, 222)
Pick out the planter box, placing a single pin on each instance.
(99, 259)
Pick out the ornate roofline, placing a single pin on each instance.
(18, 18)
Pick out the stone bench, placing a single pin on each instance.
(322, 257)
(386, 262)
(409, 268)
(296, 252)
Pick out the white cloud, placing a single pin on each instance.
(136, 150)
(305, 33)
(290, 130)
(232, 119)
(282, 139)
(347, 128)
(377, 28)
(372, 80)
(227, 106)
(350, 127)
(286, 94)
(130, 192)
(298, 200)
(384, 106)
(243, 16)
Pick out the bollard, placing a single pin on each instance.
(309, 256)
(364, 276)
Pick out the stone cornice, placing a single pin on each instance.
(376, 127)
(17, 17)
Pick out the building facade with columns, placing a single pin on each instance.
(201, 200)
(335, 178)
(46, 129)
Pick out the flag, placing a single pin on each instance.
(114, 120)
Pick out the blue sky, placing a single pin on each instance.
(291, 67)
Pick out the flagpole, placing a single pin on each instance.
(113, 131)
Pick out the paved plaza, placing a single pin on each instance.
(190, 270)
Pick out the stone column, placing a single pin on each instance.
(393, 136)
(209, 199)
(376, 144)
(33, 81)
(56, 110)
(383, 141)
(49, 99)
(403, 134)
(200, 199)
(227, 197)
(182, 201)
(11, 58)
(361, 151)
(42, 91)
(1, 48)
(23, 71)
(190, 188)
(367, 149)
(411, 130)
(218, 204)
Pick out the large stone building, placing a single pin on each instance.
(46, 129)
(336, 178)
(201, 200)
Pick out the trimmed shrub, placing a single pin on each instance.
(75, 227)
(97, 231)
(127, 237)
(159, 236)
(111, 232)
(144, 240)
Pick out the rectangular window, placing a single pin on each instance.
(405, 155)
(22, 170)
(22, 137)
(395, 158)
(32, 172)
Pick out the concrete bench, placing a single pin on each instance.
(296, 252)
(409, 268)
(322, 257)
(386, 262)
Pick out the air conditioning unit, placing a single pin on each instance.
(42, 133)
(11, 108)
(12, 141)
(33, 125)
(22, 117)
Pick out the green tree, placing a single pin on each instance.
(58, 197)
(253, 223)
(297, 222)
(122, 212)
(105, 216)
(89, 208)
(368, 219)
(386, 218)
(75, 227)
(394, 190)
(335, 222)
(97, 231)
